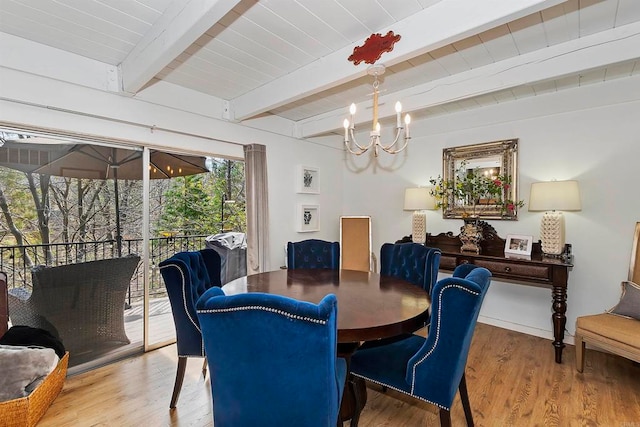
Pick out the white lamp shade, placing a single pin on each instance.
(555, 196)
(417, 199)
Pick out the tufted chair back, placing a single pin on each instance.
(412, 262)
(213, 263)
(432, 369)
(272, 359)
(187, 275)
(313, 253)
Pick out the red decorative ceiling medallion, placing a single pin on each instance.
(373, 48)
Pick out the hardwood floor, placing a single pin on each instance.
(512, 379)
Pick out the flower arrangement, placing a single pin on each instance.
(475, 192)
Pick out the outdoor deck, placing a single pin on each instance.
(161, 327)
(161, 330)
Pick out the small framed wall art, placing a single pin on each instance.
(308, 218)
(308, 180)
(518, 246)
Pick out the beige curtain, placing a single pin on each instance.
(255, 163)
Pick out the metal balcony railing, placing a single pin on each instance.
(18, 261)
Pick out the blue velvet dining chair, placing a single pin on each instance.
(272, 359)
(187, 275)
(313, 253)
(412, 262)
(432, 369)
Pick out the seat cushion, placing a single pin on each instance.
(611, 329)
(366, 362)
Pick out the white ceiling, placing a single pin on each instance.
(289, 57)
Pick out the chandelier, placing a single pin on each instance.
(374, 135)
(369, 53)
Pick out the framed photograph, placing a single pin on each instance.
(518, 246)
(308, 180)
(308, 218)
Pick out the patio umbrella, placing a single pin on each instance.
(88, 161)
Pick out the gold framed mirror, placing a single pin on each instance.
(480, 181)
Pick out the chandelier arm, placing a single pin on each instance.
(406, 142)
(360, 147)
(390, 146)
(375, 142)
(348, 147)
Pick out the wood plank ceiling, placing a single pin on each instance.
(289, 57)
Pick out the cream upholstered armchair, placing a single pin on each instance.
(618, 330)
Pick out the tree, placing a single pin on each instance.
(78, 214)
(16, 207)
(39, 188)
(195, 204)
(42, 209)
(229, 194)
(187, 207)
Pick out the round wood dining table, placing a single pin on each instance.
(370, 307)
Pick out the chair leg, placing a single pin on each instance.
(580, 345)
(182, 367)
(445, 418)
(464, 396)
(360, 398)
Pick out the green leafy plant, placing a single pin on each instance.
(474, 192)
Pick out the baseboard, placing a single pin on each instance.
(536, 332)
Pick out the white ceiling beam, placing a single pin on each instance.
(36, 58)
(598, 50)
(432, 28)
(182, 24)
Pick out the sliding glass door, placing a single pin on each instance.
(86, 223)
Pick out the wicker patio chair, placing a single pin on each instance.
(82, 304)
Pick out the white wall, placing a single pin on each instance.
(284, 155)
(591, 134)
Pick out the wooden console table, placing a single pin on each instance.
(540, 270)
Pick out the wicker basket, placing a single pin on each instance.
(27, 411)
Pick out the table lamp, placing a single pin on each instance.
(553, 197)
(417, 200)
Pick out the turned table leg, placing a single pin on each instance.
(559, 319)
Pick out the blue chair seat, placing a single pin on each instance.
(394, 356)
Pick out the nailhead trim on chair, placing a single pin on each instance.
(184, 303)
(401, 391)
(184, 295)
(435, 344)
(259, 307)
